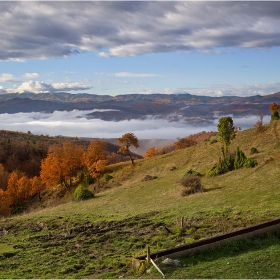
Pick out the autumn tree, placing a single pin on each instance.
(126, 141)
(183, 143)
(274, 111)
(5, 205)
(61, 164)
(94, 159)
(19, 190)
(36, 186)
(151, 152)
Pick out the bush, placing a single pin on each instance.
(89, 180)
(213, 140)
(191, 172)
(18, 209)
(249, 162)
(275, 116)
(81, 193)
(107, 177)
(191, 184)
(254, 151)
(241, 160)
(229, 163)
(223, 166)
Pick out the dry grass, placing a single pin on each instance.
(233, 200)
(254, 191)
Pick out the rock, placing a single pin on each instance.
(171, 262)
(148, 178)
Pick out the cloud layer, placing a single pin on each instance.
(74, 123)
(59, 29)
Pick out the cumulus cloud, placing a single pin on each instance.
(127, 28)
(31, 75)
(75, 123)
(6, 78)
(41, 87)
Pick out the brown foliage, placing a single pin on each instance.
(5, 204)
(95, 151)
(94, 159)
(4, 176)
(151, 152)
(127, 140)
(183, 143)
(61, 164)
(192, 184)
(274, 107)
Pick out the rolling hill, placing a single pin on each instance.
(139, 106)
(97, 238)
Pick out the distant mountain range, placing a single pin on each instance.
(138, 106)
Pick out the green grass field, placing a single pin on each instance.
(98, 238)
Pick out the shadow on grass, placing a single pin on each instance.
(228, 250)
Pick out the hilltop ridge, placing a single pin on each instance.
(138, 106)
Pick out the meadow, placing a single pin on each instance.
(97, 238)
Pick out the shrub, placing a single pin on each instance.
(229, 163)
(241, 160)
(89, 180)
(213, 140)
(107, 177)
(254, 151)
(18, 208)
(249, 162)
(81, 193)
(223, 166)
(191, 172)
(275, 116)
(191, 184)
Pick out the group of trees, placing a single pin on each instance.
(61, 166)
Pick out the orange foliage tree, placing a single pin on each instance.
(61, 164)
(126, 141)
(37, 186)
(151, 152)
(273, 107)
(6, 202)
(94, 159)
(182, 143)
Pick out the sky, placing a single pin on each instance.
(220, 48)
(122, 47)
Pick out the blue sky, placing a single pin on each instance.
(203, 48)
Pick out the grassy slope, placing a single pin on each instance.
(97, 238)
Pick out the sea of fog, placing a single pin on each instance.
(75, 123)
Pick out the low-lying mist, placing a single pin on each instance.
(74, 123)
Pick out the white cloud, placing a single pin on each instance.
(7, 78)
(74, 123)
(41, 87)
(134, 75)
(31, 75)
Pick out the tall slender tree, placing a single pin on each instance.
(226, 132)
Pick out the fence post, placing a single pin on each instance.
(148, 255)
